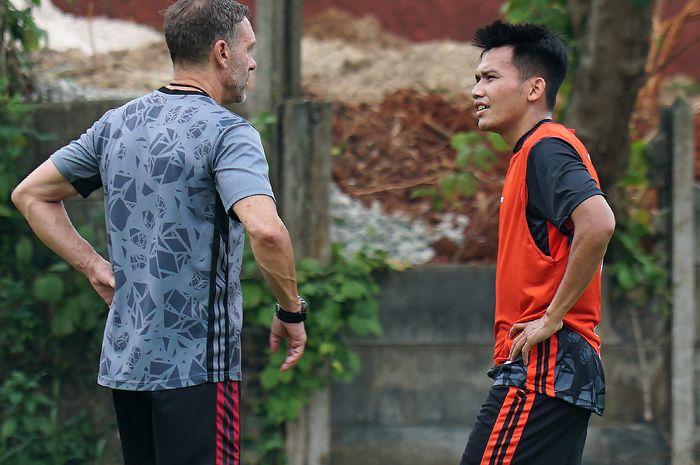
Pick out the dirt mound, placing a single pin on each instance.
(388, 150)
(335, 24)
(140, 70)
(334, 70)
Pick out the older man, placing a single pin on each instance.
(183, 178)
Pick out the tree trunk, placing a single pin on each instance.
(612, 40)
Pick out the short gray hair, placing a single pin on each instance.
(193, 26)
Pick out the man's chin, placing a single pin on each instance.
(235, 98)
(483, 125)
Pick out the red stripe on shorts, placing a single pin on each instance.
(228, 451)
(508, 429)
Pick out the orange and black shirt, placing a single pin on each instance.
(549, 175)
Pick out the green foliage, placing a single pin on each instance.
(639, 270)
(551, 13)
(265, 124)
(341, 303)
(32, 431)
(22, 36)
(473, 153)
(42, 303)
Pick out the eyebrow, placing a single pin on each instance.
(485, 71)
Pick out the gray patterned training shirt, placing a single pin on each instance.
(172, 164)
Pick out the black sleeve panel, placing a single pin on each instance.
(557, 181)
(85, 187)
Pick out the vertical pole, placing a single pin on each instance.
(299, 157)
(683, 279)
(278, 25)
(305, 176)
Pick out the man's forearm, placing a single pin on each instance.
(275, 259)
(594, 224)
(585, 258)
(53, 227)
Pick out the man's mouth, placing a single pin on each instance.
(480, 108)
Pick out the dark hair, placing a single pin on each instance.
(192, 27)
(536, 52)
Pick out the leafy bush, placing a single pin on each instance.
(341, 302)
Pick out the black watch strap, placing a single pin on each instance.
(291, 317)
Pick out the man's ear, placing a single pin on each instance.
(538, 86)
(222, 54)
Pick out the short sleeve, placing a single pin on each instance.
(240, 166)
(78, 162)
(557, 181)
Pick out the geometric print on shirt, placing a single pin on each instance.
(172, 164)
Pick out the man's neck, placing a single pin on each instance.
(198, 79)
(526, 123)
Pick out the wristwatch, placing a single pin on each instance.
(291, 317)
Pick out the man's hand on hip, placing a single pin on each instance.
(99, 273)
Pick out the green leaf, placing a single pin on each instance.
(48, 288)
(6, 212)
(8, 428)
(625, 277)
(462, 159)
(430, 192)
(466, 185)
(448, 185)
(353, 290)
(63, 322)
(59, 267)
(326, 348)
(252, 294)
(363, 326)
(269, 378)
(483, 157)
(497, 142)
(24, 250)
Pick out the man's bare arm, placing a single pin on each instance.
(273, 252)
(594, 224)
(39, 197)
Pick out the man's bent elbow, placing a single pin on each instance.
(20, 199)
(271, 235)
(605, 228)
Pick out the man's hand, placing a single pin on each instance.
(531, 333)
(294, 334)
(99, 273)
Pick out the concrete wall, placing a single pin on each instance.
(423, 381)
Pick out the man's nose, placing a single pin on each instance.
(477, 91)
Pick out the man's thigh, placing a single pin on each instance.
(516, 427)
(198, 425)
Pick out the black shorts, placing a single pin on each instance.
(517, 427)
(198, 425)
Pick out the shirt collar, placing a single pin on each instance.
(521, 141)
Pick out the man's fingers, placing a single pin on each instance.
(515, 329)
(293, 356)
(517, 346)
(274, 342)
(526, 353)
